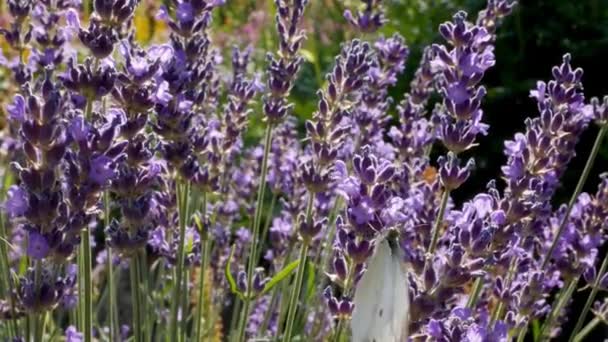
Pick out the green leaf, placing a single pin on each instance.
(309, 56)
(198, 222)
(233, 288)
(284, 273)
(5, 241)
(310, 280)
(189, 244)
(7, 182)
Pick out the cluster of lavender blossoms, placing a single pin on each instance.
(133, 160)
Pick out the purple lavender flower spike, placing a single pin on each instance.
(371, 116)
(282, 69)
(370, 19)
(461, 69)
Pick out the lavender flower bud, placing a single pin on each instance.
(451, 174)
(600, 111)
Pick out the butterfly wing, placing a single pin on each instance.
(381, 299)
(367, 296)
(399, 298)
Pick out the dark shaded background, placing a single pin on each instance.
(529, 43)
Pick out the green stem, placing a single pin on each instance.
(42, 318)
(293, 302)
(521, 336)
(590, 299)
(80, 307)
(435, 232)
(476, 292)
(205, 243)
(135, 299)
(85, 262)
(577, 191)
(36, 318)
(295, 294)
(234, 317)
(112, 307)
(184, 304)
(177, 286)
(339, 329)
(28, 331)
(496, 313)
(88, 289)
(587, 329)
(324, 254)
(7, 278)
(267, 223)
(276, 292)
(563, 298)
(143, 271)
(256, 231)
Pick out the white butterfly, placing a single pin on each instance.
(381, 297)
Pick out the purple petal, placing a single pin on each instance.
(17, 202)
(37, 246)
(16, 110)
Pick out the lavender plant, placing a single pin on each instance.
(137, 159)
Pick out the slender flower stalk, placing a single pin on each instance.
(270, 211)
(111, 282)
(7, 277)
(577, 190)
(438, 221)
(255, 231)
(284, 290)
(182, 193)
(561, 302)
(297, 286)
(281, 291)
(205, 245)
(136, 300)
(184, 305)
(147, 317)
(590, 299)
(477, 287)
(87, 286)
(281, 72)
(587, 329)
